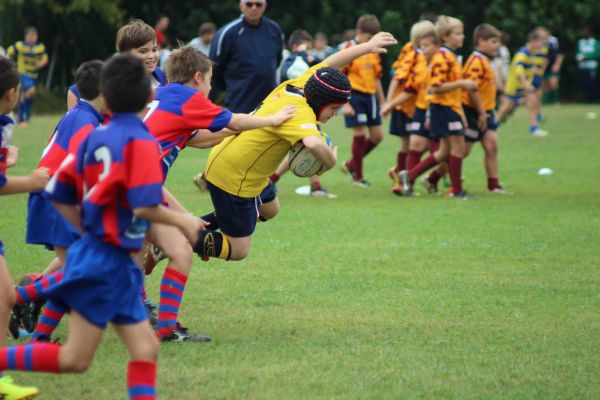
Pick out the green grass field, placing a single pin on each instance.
(373, 296)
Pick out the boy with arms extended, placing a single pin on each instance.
(446, 108)
(181, 115)
(238, 169)
(479, 105)
(9, 96)
(363, 111)
(116, 176)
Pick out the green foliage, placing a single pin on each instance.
(85, 29)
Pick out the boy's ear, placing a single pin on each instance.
(198, 77)
(11, 94)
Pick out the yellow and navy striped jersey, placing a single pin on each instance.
(479, 70)
(522, 65)
(27, 56)
(540, 60)
(446, 67)
(364, 71)
(241, 165)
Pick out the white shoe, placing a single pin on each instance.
(539, 133)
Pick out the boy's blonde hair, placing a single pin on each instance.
(445, 25)
(420, 30)
(368, 24)
(133, 35)
(184, 63)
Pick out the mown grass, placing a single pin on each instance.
(372, 296)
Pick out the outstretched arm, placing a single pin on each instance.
(377, 44)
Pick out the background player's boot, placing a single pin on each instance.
(181, 334)
(10, 391)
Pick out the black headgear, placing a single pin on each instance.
(327, 86)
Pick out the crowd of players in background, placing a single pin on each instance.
(436, 102)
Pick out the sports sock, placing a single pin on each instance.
(434, 177)
(401, 161)
(412, 159)
(212, 219)
(275, 177)
(22, 111)
(141, 380)
(315, 186)
(455, 171)
(358, 145)
(493, 183)
(34, 291)
(172, 286)
(51, 316)
(42, 357)
(421, 167)
(213, 244)
(368, 147)
(540, 117)
(533, 128)
(28, 106)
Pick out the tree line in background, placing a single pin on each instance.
(78, 30)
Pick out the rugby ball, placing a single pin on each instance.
(302, 162)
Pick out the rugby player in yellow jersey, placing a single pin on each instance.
(519, 83)
(238, 169)
(30, 56)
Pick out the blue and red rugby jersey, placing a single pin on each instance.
(71, 130)
(116, 169)
(6, 123)
(175, 113)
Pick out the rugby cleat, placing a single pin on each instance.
(181, 334)
(151, 312)
(462, 195)
(430, 187)
(152, 256)
(200, 182)
(539, 133)
(500, 190)
(10, 391)
(13, 324)
(346, 169)
(405, 182)
(363, 183)
(322, 193)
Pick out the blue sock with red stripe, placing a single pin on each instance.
(34, 291)
(171, 292)
(42, 357)
(51, 316)
(141, 380)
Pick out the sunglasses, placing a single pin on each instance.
(250, 4)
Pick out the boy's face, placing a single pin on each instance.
(31, 37)
(535, 44)
(320, 43)
(329, 112)
(489, 46)
(455, 38)
(303, 46)
(204, 85)
(207, 37)
(149, 54)
(429, 47)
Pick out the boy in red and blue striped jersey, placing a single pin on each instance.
(117, 179)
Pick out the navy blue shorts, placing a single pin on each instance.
(399, 123)
(366, 110)
(417, 125)
(537, 80)
(27, 82)
(237, 215)
(445, 122)
(472, 133)
(102, 283)
(46, 226)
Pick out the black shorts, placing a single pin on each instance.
(417, 125)
(445, 122)
(366, 110)
(472, 133)
(237, 215)
(399, 123)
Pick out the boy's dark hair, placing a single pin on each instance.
(87, 79)
(298, 37)
(133, 35)
(125, 84)
(485, 32)
(321, 35)
(9, 76)
(29, 29)
(207, 27)
(185, 62)
(368, 24)
(534, 35)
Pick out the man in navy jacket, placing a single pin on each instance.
(247, 52)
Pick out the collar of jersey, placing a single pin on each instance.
(87, 106)
(6, 120)
(481, 53)
(449, 49)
